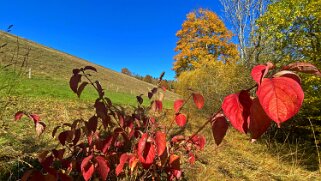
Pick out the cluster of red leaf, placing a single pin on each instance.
(114, 143)
(278, 97)
(39, 125)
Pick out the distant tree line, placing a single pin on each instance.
(168, 84)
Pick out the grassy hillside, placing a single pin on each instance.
(48, 63)
(47, 93)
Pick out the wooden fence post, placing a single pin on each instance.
(29, 74)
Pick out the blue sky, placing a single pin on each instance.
(136, 34)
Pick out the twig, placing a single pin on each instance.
(316, 145)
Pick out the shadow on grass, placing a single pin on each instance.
(294, 145)
(17, 152)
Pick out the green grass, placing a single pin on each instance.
(40, 88)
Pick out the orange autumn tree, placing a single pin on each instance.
(203, 39)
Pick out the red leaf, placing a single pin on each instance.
(174, 162)
(160, 142)
(259, 122)
(191, 158)
(107, 143)
(58, 153)
(75, 71)
(37, 175)
(47, 162)
(154, 90)
(87, 168)
(74, 81)
(178, 105)
(27, 174)
(199, 141)
(236, 108)
(40, 128)
(101, 109)
(81, 88)
(159, 105)
(35, 118)
(132, 163)
(146, 151)
(289, 74)
(49, 177)
(106, 121)
(18, 115)
(178, 138)
(100, 90)
(198, 100)
(219, 128)
(260, 71)
(42, 156)
(140, 100)
(177, 173)
(257, 73)
(77, 136)
(68, 163)
(303, 67)
(102, 167)
(180, 120)
(64, 136)
(91, 125)
(280, 97)
(164, 88)
(90, 68)
(122, 160)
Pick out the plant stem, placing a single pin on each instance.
(203, 126)
(102, 98)
(172, 122)
(316, 145)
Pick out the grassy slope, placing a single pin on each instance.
(48, 63)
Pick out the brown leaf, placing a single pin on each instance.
(303, 67)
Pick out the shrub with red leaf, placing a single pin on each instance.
(117, 143)
(133, 144)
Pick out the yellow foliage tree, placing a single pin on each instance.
(203, 40)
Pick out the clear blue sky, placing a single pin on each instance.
(137, 34)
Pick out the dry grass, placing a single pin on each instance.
(239, 159)
(18, 140)
(235, 159)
